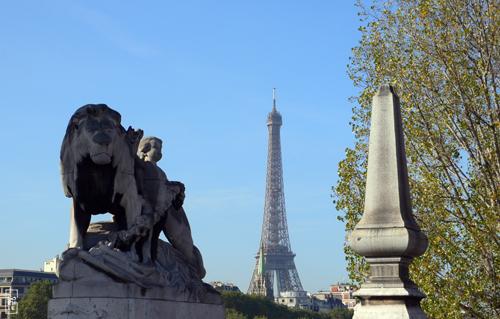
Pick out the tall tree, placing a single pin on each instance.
(34, 303)
(443, 57)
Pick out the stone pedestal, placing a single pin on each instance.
(131, 308)
(388, 292)
(93, 288)
(399, 310)
(100, 298)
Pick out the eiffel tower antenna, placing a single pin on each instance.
(275, 258)
(274, 99)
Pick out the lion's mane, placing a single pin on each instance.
(74, 149)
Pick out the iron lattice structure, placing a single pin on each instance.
(275, 257)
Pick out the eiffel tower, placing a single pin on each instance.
(275, 257)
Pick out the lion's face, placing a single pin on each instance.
(98, 133)
(96, 129)
(95, 136)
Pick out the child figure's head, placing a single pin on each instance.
(150, 149)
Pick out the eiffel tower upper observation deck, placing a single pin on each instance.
(275, 257)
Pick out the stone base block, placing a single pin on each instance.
(131, 308)
(388, 311)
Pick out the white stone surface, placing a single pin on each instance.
(131, 308)
(388, 311)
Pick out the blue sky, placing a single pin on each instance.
(198, 74)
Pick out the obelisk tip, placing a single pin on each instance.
(385, 89)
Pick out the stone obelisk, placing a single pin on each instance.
(387, 234)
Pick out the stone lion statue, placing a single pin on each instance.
(97, 168)
(107, 169)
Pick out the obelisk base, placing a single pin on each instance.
(388, 311)
(388, 303)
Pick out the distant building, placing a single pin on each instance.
(19, 280)
(224, 286)
(294, 299)
(52, 265)
(343, 292)
(323, 301)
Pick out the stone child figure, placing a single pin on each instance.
(158, 193)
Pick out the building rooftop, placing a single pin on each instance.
(23, 276)
(17, 270)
